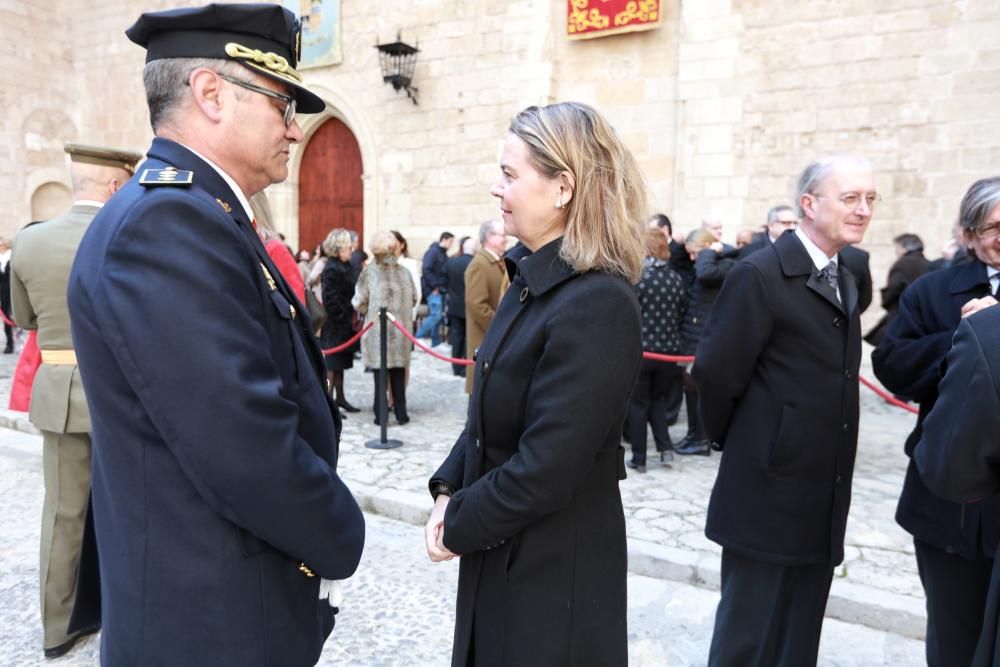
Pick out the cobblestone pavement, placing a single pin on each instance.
(399, 607)
(665, 508)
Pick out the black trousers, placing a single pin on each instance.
(956, 590)
(769, 615)
(695, 429)
(649, 404)
(456, 336)
(397, 381)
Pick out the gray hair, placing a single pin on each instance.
(814, 175)
(982, 197)
(909, 242)
(485, 229)
(165, 81)
(772, 215)
(335, 240)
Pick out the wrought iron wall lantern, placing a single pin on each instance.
(397, 60)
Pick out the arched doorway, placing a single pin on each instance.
(331, 192)
(49, 200)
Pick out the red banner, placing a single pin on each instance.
(599, 18)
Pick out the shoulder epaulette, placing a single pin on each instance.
(166, 176)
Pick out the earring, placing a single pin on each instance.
(559, 203)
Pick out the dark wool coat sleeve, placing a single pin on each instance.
(908, 358)
(565, 421)
(737, 331)
(958, 454)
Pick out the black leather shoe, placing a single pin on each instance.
(636, 466)
(347, 407)
(403, 420)
(699, 446)
(64, 648)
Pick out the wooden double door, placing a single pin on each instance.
(331, 192)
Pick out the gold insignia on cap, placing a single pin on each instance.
(298, 45)
(272, 61)
(225, 207)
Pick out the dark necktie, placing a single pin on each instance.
(828, 274)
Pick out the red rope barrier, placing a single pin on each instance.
(6, 320)
(680, 359)
(354, 339)
(886, 396)
(451, 360)
(655, 356)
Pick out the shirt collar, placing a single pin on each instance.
(817, 256)
(244, 202)
(88, 202)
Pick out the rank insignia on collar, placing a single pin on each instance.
(270, 279)
(225, 207)
(166, 176)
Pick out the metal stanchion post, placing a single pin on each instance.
(383, 376)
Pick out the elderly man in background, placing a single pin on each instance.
(780, 219)
(485, 282)
(221, 523)
(40, 265)
(777, 372)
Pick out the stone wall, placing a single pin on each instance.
(723, 104)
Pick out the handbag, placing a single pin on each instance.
(317, 313)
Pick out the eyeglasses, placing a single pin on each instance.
(853, 199)
(289, 101)
(989, 232)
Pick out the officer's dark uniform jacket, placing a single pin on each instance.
(215, 441)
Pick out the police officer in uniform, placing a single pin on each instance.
(222, 527)
(40, 263)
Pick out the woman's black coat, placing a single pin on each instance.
(710, 270)
(537, 516)
(338, 290)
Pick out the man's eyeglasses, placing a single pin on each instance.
(287, 99)
(988, 232)
(853, 199)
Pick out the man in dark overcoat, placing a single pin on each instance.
(222, 527)
(455, 269)
(910, 264)
(958, 454)
(777, 371)
(954, 542)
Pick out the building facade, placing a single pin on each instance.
(723, 104)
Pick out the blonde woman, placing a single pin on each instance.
(338, 290)
(384, 283)
(529, 494)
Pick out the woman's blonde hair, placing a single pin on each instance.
(606, 217)
(699, 238)
(335, 240)
(383, 243)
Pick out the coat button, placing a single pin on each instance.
(847, 427)
(486, 367)
(524, 295)
(836, 321)
(838, 480)
(475, 354)
(847, 374)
